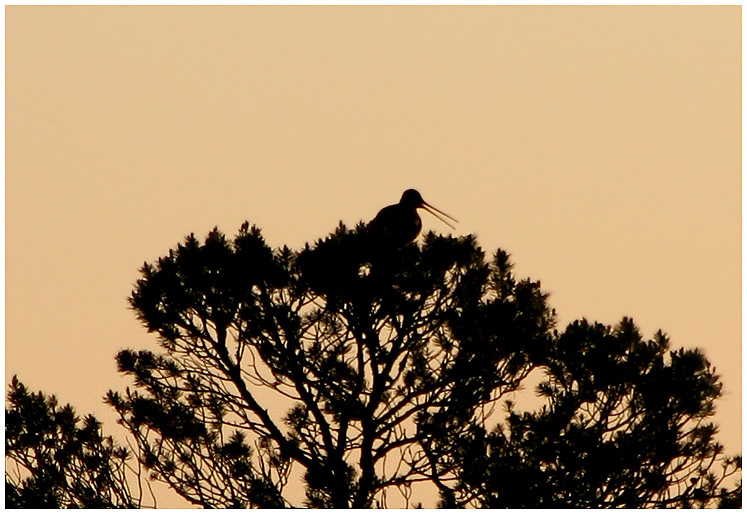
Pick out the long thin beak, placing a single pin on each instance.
(428, 207)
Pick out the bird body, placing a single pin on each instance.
(397, 223)
(400, 223)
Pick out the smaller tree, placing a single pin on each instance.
(56, 460)
(625, 425)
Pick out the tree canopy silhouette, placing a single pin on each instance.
(56, 460)
(374, 375)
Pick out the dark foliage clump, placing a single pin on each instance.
(56, 460)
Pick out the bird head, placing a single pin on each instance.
(412, 199)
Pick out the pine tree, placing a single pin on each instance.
(361, 370)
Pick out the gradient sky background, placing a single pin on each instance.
(600, 146)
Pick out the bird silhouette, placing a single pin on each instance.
(400, 223)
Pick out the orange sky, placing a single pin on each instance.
(600, 146)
